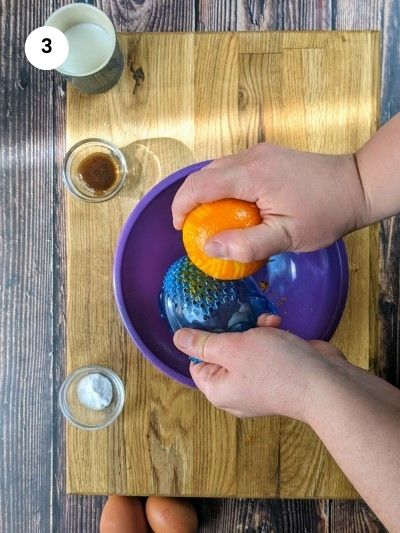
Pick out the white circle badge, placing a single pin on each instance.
(46, 48)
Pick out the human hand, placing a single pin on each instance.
(263, 371)
(306, 200)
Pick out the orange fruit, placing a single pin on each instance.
(211, 218)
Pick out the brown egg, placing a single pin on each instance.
(171, 515)
(123, 514)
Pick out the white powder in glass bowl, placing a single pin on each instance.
(95, 392)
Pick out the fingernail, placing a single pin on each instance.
(195, 361)
(184, 337)
(215, 249)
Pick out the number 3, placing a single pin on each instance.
(47, 45)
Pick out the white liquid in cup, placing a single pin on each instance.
(91, 38)
(89, 48)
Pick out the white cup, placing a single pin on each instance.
(94, 63)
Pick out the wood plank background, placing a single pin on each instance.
(32, 252)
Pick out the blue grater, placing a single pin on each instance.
(191, 299)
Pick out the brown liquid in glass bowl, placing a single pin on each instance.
(99, 172)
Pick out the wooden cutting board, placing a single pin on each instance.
(183, 98)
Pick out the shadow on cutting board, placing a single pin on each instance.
(151, 160)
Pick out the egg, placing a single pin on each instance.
(123, 514)
(171, 515)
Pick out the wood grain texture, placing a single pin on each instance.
(219, 15)
(258, 516)
(23, 509)
(216, 100)
(288, 516)
(26, 281)
(151, 15)
(283, 15)
(362, 518)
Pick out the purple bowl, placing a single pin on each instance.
(309, 289)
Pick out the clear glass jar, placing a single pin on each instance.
(82, 153)
(77, 413)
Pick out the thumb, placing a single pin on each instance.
(249, 244)
(207, 347)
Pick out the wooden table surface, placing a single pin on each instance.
(32, 264)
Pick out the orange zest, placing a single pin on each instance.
(211, 218)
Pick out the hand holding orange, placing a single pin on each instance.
(210, 218)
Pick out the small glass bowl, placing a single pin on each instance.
(81, 151)
(79, 415)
